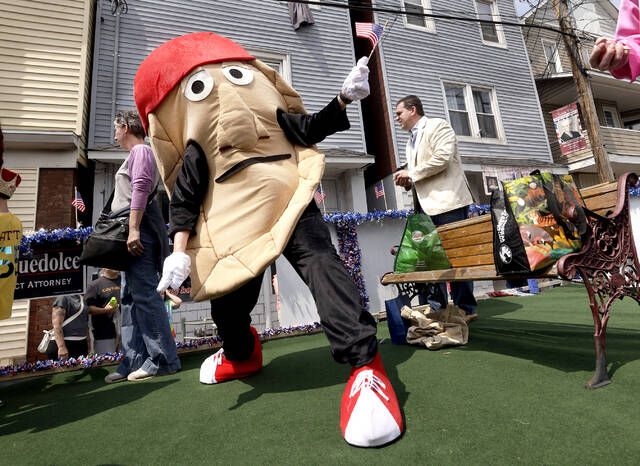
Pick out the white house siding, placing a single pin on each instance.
(43, 64)
(417, 62)
(320, 55)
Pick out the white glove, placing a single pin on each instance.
(356, 85)
(175, 270)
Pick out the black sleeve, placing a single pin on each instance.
(189, 191)
(306, 130)
(91, 296)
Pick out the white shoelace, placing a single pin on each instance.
(217, 358)
(366, 379)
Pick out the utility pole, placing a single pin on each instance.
(585, 96)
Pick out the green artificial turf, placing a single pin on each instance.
(514, 395)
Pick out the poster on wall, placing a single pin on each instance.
(568, 129)
(52, 272)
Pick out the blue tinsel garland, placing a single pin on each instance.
(44, 237)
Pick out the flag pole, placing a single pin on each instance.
(384, 196)
(75, 207)
(385, 31)
(381, 37)
(324, 207)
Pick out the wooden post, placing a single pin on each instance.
(585, 96)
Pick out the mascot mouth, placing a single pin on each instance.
(238, 167)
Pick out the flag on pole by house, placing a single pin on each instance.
(319, 194)
(77, 202)
(379, 189)
(370, 31)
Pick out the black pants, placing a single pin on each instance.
(350, 329)
(75, 347)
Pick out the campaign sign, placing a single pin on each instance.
(52, 272)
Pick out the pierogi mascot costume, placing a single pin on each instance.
(236, 151)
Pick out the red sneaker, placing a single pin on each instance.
(370, 415)
(216, 368)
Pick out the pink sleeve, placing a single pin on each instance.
(628, 32)
(142, 173)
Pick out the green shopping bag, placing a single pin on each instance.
(420, 248)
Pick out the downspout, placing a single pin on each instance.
(114, 76)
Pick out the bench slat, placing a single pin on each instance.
(467, 261)
(470, 250)
(481, 272)
(481, 238)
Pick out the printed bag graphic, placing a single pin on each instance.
(548, 211)
(421, 248)
(509, 254)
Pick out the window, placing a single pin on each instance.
(279, 62)
(484, 113)
(492, 34)
(418, 22)
(458, 115)
(611, 116)
(473, 111)
(552, 56)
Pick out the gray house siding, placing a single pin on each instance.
(419, 62)
(320, 55)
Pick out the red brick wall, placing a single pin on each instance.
(39, 320)
(55, 193)
(54, 210)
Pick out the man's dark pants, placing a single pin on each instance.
(461, 292)
(350, 329)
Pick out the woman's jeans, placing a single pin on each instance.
(146, 336)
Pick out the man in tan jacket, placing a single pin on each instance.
(434, 173)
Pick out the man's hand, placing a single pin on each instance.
(175, 270)
(401, 178)
(63, 352)
(110, 308)
(608, 54)
(356, 85)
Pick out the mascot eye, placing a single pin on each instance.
(238, 75)
(199, 86)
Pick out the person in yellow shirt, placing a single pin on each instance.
(10, 237)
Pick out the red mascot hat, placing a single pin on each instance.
(9, 181)
(165, 67)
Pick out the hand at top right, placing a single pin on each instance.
(608, 54)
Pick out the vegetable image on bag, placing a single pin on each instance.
(420, 248)
(545, 220)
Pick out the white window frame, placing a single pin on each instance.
(614, 112)
(430, 25)
(284, 59)
(471, 112)
(495, 16)
(314, 6)
(558, 62)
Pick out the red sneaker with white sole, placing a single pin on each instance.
(370, 415)
(217, 368)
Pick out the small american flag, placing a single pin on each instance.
(379, 189)
(319, 195)
(370, 31)
(78, 203)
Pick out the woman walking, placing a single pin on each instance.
(148, 346)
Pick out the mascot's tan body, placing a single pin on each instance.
(221, 124)
(247, 219)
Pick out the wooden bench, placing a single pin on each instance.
(607, 261)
